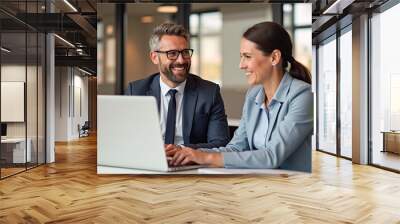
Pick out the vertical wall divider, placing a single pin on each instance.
(26, 87)
(369, 78)
(338, 100)
(37, 90)
(316, 97)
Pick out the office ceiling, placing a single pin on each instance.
(330, 15)
(79, 27)
(75, 23)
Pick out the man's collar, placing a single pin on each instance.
(165, 88)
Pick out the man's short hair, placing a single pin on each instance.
(167, 28)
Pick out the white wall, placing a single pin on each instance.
(62, 81)
(79, 117)
(69, 82)
(33, 125)
(235, 22)
(15, 72)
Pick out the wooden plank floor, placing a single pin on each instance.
(70, 191)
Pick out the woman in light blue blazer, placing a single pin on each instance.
(277, 120)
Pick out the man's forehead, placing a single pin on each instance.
(173, 41)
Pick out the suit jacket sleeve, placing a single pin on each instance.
(129, 90)
(288, 136)
(217, 132)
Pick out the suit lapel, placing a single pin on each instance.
(280, 97)
(155, 90)
(253, 116)
(272, 120)
(189, 106)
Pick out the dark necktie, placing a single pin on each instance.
(171, 118)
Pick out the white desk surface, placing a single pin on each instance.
(270, 172)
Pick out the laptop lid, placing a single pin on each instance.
(129, 133)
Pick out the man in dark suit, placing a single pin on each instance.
(191, 109)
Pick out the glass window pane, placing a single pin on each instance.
(385, 88)
(210, 58)
(106, 52)
(327, 97)
(302, 14)
(302, 46)
(13, 87)
(194, 44)
(287, 15)
(346, 94)
(31, 100)
(211, 22)
(100, 51)
(194, 24)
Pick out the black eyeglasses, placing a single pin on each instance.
(174, 54)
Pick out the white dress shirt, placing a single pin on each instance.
(164, 101)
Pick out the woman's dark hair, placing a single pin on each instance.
(270, 36)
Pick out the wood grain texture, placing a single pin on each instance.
(70, 191)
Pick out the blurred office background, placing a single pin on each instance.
(48, 78)
(215, 31)
(22, 62)
(49, 70)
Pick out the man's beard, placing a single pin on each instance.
(170, 74)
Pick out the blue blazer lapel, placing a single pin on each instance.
(189, 106)
(280, 97)
(253, 113)
(155, 90)
(272, 120)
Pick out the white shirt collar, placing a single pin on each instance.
(165, 88)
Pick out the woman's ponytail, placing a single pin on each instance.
(299, 71)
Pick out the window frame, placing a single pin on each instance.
(335, 36)
(199, 34)
(379, 10)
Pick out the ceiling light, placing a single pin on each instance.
(84, 71)
(147, 19)
(167, 9)
(70, 5)
(287, 8)
(65, 41)
(5, 50)
(109, 30)
(337, 7)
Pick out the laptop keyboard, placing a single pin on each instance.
(185, 167)
(179, 168)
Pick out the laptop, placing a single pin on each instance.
(129, 134)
